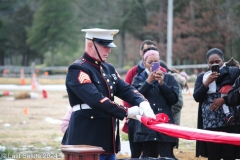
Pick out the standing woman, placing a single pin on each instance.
(161, 90)
(213, 120)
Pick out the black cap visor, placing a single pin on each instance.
(104, 42)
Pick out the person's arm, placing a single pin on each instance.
(129, 77)
(178, 106)
(130, 74)
(87, 90)
(128, 93)
(141, 85)
(200, 90)
(133, 96)
(169, 89)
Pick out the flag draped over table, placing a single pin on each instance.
(173, 130)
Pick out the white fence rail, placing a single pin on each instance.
(13, 71)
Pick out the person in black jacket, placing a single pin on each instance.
(91, 84)
(234, 93)
(161, 90)
(135, 147)
(210, 118)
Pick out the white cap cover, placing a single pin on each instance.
(103, 37)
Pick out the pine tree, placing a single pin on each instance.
(54, 27)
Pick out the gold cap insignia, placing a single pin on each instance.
(113, 33)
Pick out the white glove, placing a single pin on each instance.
(133, 111)
(147, 110)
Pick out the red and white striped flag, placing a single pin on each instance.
(190, 133)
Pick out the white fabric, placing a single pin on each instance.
(147, 71)
(139, 117)
(212, 86)
(83, 106)
(147, 110)
(106, 34)
(225, 107)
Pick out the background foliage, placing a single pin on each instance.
(49, 32)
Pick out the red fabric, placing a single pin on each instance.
(163, 69)
(129, 78)
(44, 93)
(225, 89)
(125, 127)
(6, 93)
(130, 74)
(190, 133)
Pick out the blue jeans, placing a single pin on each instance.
(107, 157)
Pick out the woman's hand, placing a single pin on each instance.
(159, 76)
(151, 77)
(217, 103)
(212, 77)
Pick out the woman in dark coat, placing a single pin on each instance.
(161, 90)
(211, 119)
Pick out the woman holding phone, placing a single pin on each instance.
(206, 91)
(161, 90)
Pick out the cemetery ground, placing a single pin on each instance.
(30, 128)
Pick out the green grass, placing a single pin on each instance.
(124, 136)
(6, 153)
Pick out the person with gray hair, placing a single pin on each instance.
(92, 83)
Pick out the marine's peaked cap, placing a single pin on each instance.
(103, 37)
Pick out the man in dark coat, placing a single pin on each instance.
(234, 93)
(92, 84)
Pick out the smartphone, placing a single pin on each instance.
(215, 68)
(155, 66)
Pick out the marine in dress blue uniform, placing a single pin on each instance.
(91, 85)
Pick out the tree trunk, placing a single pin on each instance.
(160, 24)
(23, 58)
(41, 58)
(192, 16)
(52, 57)
(121, 56)
(27, 57)
(2, 56)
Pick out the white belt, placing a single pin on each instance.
(78, 107)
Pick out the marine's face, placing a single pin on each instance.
(103, 51)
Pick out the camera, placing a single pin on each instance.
(215, 68)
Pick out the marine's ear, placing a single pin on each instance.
(89, 44)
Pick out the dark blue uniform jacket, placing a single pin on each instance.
(95, 83)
